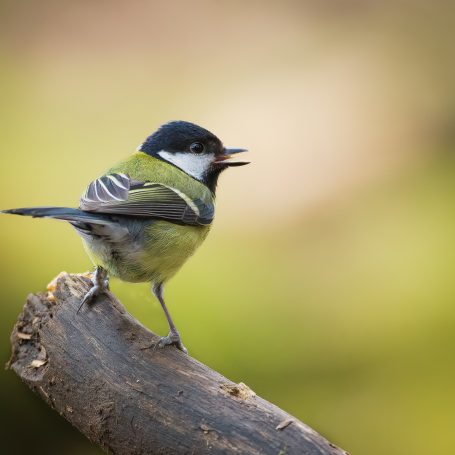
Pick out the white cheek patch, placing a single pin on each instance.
(194, 165)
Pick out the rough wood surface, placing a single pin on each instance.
(96, 370)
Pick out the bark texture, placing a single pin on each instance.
(97, 369)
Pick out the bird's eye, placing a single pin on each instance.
(197, 147)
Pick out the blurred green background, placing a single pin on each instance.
(327, 283)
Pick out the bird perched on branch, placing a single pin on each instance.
(147, 215)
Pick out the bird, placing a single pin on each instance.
(143, 218)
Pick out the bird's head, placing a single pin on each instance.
(193, 149)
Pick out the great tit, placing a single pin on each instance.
(147, 215)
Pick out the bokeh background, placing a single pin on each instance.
(327, 284)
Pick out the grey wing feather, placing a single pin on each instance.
(113, 187)
(118, 194)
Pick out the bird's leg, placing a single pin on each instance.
(173, 338)
(100, 282)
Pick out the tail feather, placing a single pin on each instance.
(60, 213)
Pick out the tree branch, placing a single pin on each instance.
(97, 370)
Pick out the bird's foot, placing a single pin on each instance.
(172, 339)
(100, 282)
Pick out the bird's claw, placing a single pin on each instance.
(172, 339)
(100, 286)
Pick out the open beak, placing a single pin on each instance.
(227, 155)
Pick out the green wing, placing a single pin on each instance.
(118, 194)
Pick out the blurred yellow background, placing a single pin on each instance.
(327, 282)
